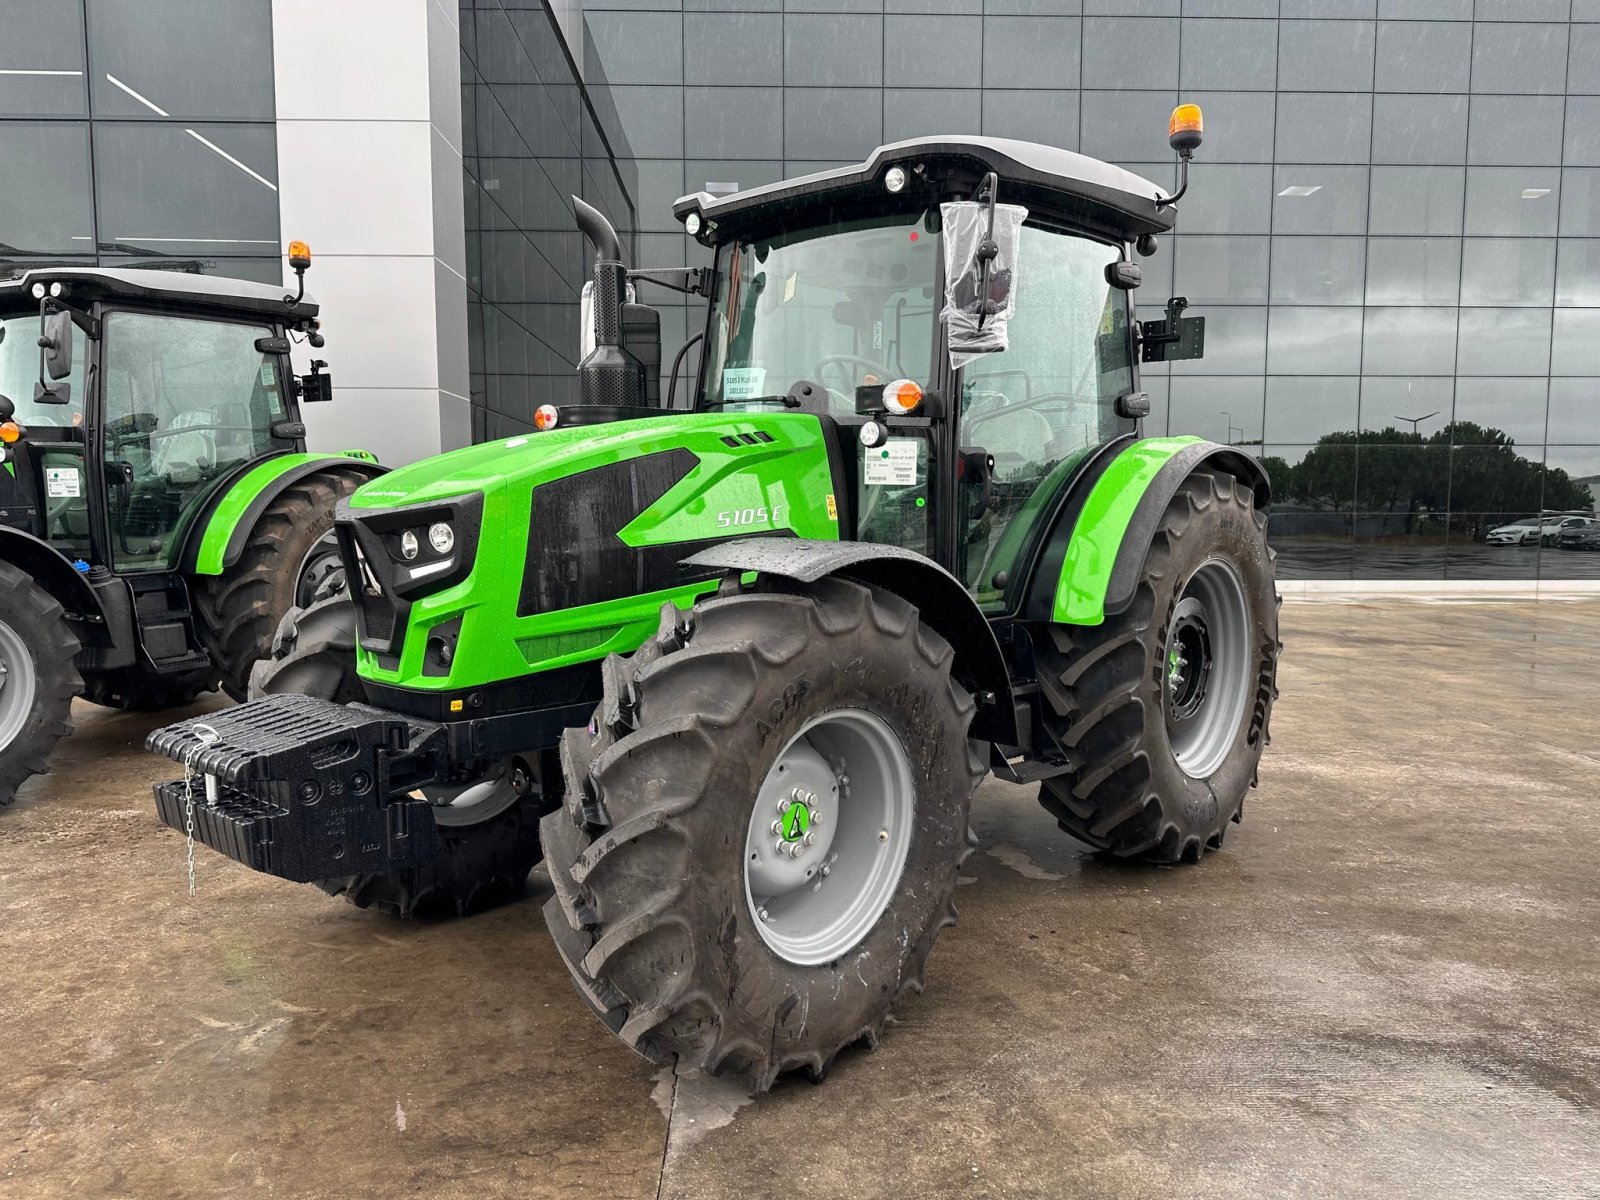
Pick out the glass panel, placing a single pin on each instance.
(1504, 341)
(732, 122)
(1574, 412)
(1238, 55)
(44, 188)
(1413, 270)
(1319, 199)
(1020, 52)
(192, 58)
(1303, 409)
(1583, 61)
(1409, 341)
(1124, 126)
(1516, 130)
(1578, 272)
(1508, 271)
(1412, 130)
(1491, 410)
(1234, 199)
(1577, 346)
(897, 514)
(1106, 61)
(1239, 125)
(832, 51)
(1314, 341)
(831, 123)
(1221, 408)
(832, 306)
(1326, 56)
(1420, 404)
(210, 189)
(41, 59)
(1423, 56)
(923, 112)
(185, 400)
(1581, 147)
(1317, 270)
(1519, 201)
(757, 41)
(637, 47)
(1048, 117)
(1416, 200)
(1042, 403)
(1236, 343)
(1580, 203)
(1517, 58)
(1319, 127)
(1220, 270)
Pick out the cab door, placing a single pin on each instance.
(1036, 409)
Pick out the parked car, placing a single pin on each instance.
(1551, 535)
(1585, 536)
(1532, 531)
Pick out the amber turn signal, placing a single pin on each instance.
(902, 396)
(10, 432)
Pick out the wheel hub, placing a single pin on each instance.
(1206, 678)
(829, 832)
(17, 684)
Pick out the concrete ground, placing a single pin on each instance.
(1387, 985)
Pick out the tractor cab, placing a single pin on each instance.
(131, 397)
(962, 309)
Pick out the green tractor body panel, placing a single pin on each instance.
(718, 477)
(238, 507)
(1102, 525)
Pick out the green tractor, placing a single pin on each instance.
(158, 510)
(735, 670)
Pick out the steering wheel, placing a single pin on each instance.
(840, 364)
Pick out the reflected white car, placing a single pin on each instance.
(1532, 531)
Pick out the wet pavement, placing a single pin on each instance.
(1387, 985)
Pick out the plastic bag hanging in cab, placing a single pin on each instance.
(976, 324)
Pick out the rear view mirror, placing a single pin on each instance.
(55, 339)
(45, 393)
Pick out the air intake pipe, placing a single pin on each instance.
(608, 374)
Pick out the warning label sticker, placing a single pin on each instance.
(893, 464)
(62, 483)
(742, 383)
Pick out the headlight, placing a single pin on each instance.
(408, 545)
(441, 537)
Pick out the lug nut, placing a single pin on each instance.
(816, 816)
(777, 827)
(810, 838)
(797, 794)
(883, 835)
(762, 913)
(781, 847)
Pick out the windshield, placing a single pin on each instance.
(19, 373)
(839, 306)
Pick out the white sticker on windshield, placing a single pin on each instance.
(894, 463)
(742, 383)
(269, 376)
(61, 483)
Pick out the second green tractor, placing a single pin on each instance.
(734, 664)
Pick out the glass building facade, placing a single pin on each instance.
(125, 145)
(1393, 227)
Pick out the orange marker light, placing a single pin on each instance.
(1185, 128)
(10, 432)
(902, 395)
(545, 417)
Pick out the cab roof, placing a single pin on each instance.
(1054, 184)
(84, 285)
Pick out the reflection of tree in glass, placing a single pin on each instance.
(1465, 468)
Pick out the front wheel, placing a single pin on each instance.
(38, 679)
(1162, 710)
(762, 828)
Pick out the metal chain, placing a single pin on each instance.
(205, 736)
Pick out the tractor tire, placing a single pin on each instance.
(132, 690)
(1162, 710)
(480, 863)
(656, 910)
(241, 608)
(38, 679)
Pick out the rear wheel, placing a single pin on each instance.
(290, 560)
(1162, 710)
(762, 828)
(38, 679)
(488, 829)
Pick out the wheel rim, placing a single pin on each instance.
(828, 836)
(1206, 676)
(475, 803)
(18, 684)
(321, 573)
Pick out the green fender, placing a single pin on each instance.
(219, 532)
(1112, 534)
